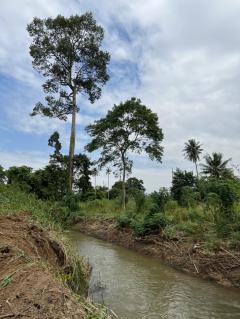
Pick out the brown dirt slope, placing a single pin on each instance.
(28, 287)
(222, 266)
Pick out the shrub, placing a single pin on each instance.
(140, 199)
(212, 244)
(151, 223)
(189, 197)
(190, 227)
(226, 193)
(223, 228)
(171, 206)
(71, 201)
(235, 240)
(124, 221)
(181, 179)
(160, 198)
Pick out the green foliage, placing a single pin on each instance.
(2, 175)
(215, 166)
(71, 201)
(140, 200)
(234, 242)
(189, 197)
(67, 52)
(101, 208)
(79, 67)
(50, 182)
(116, 190)
(21, 176)
(128, 127)
(181, 179)
(13, 200)
(124, 220)
(221, 193)
(212, 243)
(160, 198)
(151, 223)
(192, 151)
(134, 186)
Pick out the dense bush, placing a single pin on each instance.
(124, 221)
(151, 223)
(160, 198)
(180, 180)
(2, 175)
(221, 193)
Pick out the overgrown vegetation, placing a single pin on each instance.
(54, 216)
(208, 211)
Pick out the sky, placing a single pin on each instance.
(180, 57)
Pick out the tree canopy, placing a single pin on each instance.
(2, 175)
(66, 51)
(129, 127)
(192, 151)
(181, 180)
(216, 167)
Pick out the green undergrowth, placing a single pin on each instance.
(204, 221)
(51, 215)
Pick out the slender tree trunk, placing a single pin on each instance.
(108, 186)
(95, 186)
(196, 168)
(72, 142)
(123, 184)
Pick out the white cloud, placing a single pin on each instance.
(32, 159)
(181, 57)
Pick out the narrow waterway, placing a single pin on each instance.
(138, 287)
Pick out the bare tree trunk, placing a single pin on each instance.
(196, 168)
(95, 186)
(108, 186)
(123, 184)
(72, 142)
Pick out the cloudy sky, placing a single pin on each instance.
(181, 57)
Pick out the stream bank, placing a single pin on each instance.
(186, 254)
(38, 277)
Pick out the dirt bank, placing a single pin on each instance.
(29, 262)
(222, 266)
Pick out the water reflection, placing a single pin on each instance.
(136, 287)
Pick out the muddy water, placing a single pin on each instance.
(138, 287)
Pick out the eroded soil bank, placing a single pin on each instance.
(29, 262)
(183, 253)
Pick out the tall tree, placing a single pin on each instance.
(128, 127)
(216, 167)
(82, 173)
(95, 174)
(67, 52)
(192, 151)
(2, 175)
(108, 172)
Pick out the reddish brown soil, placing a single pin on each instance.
(222, 266)
(29, 259)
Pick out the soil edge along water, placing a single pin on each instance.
(222, 266)
(37, 278)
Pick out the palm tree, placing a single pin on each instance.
(192, 151)
(215, 166)
(108, 172)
